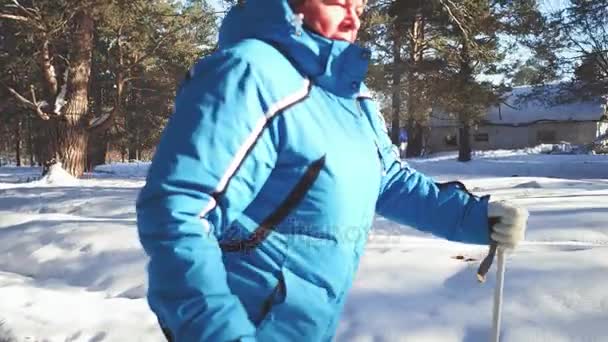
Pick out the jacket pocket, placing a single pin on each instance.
(300, 311)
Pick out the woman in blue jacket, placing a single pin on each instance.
(259, 199)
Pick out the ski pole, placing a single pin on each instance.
(484, 267)
(498, 291)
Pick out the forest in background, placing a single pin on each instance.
(88, 81)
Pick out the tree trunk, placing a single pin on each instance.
(466, 78)
(415, 131)
(132, 153)
(73, 141)
(396, 86)
(464, 143)
(415, 140)
(4, 133)
(98, 138)
(30, 139)
(18, 141)
(100, 135)
(134, 143)
(72, 134)
(97, 150)
(45, 141)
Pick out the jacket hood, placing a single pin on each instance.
(338, 66)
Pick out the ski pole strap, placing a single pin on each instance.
(485, 265)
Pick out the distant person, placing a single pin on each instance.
(402, 142)
(260, 197)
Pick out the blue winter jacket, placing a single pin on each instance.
(259, 199)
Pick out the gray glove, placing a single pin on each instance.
(510, 223)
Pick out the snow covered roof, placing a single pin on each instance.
(524, 105)
(549, 105)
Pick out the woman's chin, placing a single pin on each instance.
(345, 37)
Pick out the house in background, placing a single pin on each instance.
(518, 123)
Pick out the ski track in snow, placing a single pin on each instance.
(72, 269)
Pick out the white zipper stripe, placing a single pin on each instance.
(210, 205)
(251, 139)
(253, 136)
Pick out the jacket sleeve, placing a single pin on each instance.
(414, 199)
(214, 140)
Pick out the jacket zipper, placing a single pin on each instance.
(271, 222)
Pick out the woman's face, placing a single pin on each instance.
(334, 19)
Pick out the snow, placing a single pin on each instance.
(129, 170)
(72, 269)
(57, 176)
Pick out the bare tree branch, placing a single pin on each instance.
(48, 69)
(153, 50)
(28, 11)
(455, 18)
(102, 122)
(27, 15)
(33, 104)
(20, 97)
(131, 78)
(158, 44)
(14, 17)
(146, 89)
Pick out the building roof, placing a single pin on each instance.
(526, 105)
(549, 105)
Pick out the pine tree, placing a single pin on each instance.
(61, 34)
(147, 47)
(436, 49)
(575, 45)
(529, 73)
(472, 44)
(403, 33)
(68, 36)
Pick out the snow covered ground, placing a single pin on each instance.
(71, 267)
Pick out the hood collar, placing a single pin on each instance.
(338, 66)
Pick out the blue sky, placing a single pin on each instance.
(552, 5)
